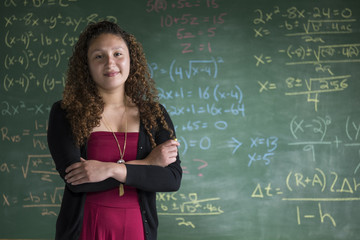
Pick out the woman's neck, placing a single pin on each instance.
(114, 101)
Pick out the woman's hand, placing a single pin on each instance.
(87, 171)
(164, 154)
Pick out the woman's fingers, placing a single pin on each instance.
(164, 154)
(74, 175)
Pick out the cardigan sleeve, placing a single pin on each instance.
(155, 178)
(64, 151)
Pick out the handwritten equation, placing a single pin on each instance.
(33, 20)
(308, 43)
(48, 202)
(300, 21)
(195, 68)
(194, 31)
(315, 130)
(40, 58)
(23, 82)
(11, 109)
(337, 53)
(39, 4)
(183, 206)
(311, 88)
(29, 38)
(323, 186)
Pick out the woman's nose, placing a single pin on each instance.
(110, 60)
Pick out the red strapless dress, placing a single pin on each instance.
(107, 216)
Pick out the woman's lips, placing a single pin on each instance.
(111, 74)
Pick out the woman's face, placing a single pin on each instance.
(109, 62)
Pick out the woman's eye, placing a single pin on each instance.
(117, 54)
(98, 56)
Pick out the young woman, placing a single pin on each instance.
(112, 142)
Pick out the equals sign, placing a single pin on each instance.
(26, 132)
(192, 143)
(272, 86)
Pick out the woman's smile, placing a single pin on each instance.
(111, 74)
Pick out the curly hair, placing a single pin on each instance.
(81, 98)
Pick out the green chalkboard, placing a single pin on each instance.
(264, 96)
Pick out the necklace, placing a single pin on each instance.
(122, 153)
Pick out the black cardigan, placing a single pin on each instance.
(147, 179)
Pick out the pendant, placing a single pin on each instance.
(121, 161)
(121, 190)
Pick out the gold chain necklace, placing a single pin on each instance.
(122, 153)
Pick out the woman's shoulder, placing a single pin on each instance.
(57, 108)
(164, 112)
(57, 104)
